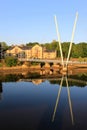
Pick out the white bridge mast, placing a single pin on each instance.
(58, 36)
(72, 38)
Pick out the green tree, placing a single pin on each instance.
(75, 51)
(4, 46)
(31, 44)
(79, 50)
(65, 48)
(83, 47)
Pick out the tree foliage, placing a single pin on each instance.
(78, 50)
(31, 44)
(4, 46)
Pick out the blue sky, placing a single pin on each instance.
(23, 21)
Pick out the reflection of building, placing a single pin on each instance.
(36, 51)
(37, 81)
(1, 90)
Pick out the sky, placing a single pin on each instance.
(24, 21)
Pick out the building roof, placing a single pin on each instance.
(49, 50)
(21, 47)
(25, 47)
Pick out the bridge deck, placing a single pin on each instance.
(51, 61)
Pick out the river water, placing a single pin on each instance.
(54, 103)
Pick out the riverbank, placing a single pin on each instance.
(17, 69)
(42, 71)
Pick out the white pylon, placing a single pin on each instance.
(72, 38)
(58, 36)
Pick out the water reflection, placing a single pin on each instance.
(79, 79)
(37, 81)
(1, 90)
(32, 102)
(58, 97)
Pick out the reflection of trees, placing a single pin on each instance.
(10, 77)
(71, 83)
(16, 77)
(33, 75)
(54, 81)
(58, 97)
(0, 87)
(73, 80)
(1, 90)
(82, 76)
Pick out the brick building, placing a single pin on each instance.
(36, 51)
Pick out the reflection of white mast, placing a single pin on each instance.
(57, 100)
(70, 104)
(58, 35)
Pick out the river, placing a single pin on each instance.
(34, 102)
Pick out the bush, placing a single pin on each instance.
(80, 59)
(11, 61)
(1, 65)
(34, 63)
